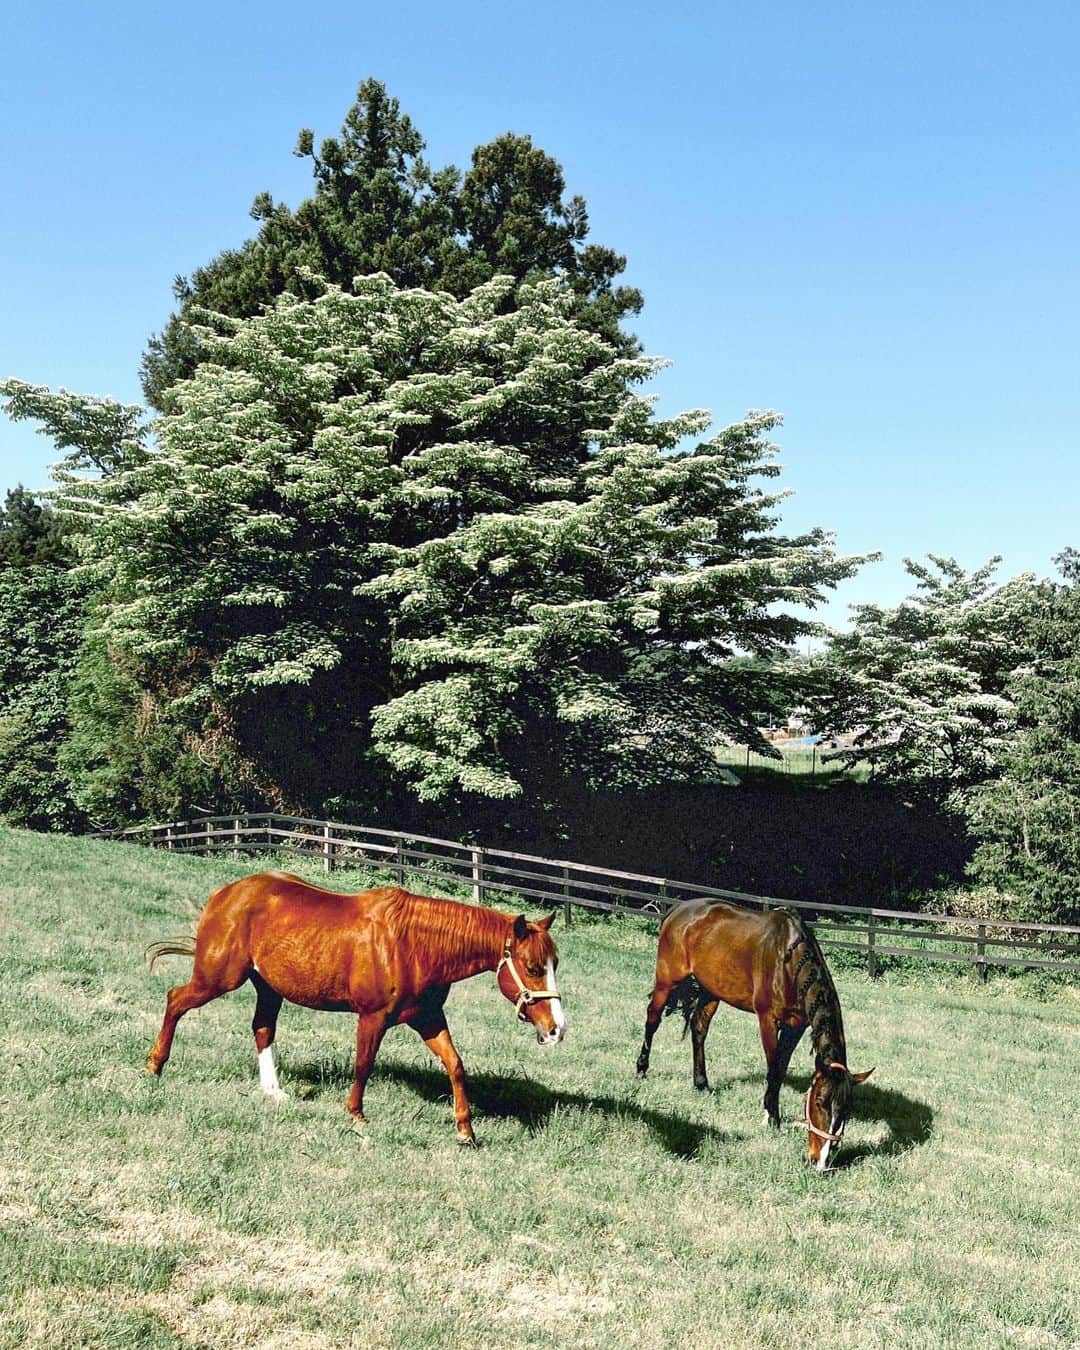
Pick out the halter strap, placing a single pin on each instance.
(525, 994)
(807, 1122)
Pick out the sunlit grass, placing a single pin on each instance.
(597, 1211)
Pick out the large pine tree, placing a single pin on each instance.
(378, 206)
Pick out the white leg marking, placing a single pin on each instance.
(268, 1079)
(557, 1014)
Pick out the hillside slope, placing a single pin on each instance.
(597, 1210)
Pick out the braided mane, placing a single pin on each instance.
(816, 992)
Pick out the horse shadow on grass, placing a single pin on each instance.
(910, 1121)
(528, 1102)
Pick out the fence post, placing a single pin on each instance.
(567, 919)
(328, 850)
(871, 947)
(399, 861)
(169, 843)
(209, 836)
(236, 834)
(476, 859)
(980, 953)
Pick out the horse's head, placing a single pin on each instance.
(828, 1102)
(526, 975)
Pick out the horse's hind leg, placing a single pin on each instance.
(657, 1003)
(206, 983)
(699, 1029)
(264, 1025)
(179, 1000)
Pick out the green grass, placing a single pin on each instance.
(597, 1211)
(797, 761)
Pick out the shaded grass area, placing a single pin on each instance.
(598, 1210)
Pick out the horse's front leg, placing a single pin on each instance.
(435, 1034)
(370, 1029)
(778, 1043)
(788, 1039)
(264, 1027)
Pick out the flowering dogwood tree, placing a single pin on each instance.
(392, 529)
(923, 688)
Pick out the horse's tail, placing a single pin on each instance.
(686, 997)
(174, 946)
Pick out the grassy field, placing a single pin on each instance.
(597, 1211)
(803, 761)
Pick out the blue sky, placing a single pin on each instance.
(863, 215)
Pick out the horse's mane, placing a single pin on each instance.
(456, 926)
(815, 991)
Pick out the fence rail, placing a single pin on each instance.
(490, 871)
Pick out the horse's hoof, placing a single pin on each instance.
(641, 1072)
(154, 1070)
(703, 1086)
(467, 1140)
(276, 1096)
(357, 1117)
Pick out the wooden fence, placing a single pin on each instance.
(490, 872)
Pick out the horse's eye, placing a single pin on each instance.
(536, 971)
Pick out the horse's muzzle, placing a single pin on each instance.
(552, 1037)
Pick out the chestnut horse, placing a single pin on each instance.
(768, 963)
(385, 955)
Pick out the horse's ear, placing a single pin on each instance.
(546, 923)
(521, 927)
(862, 1077)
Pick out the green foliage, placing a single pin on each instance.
(31, 533)
(100, 435)
(41, 620)
(444, 533)
(379, 207)
(131, 754)
(1028, 819)
(42, 612)
(923, 688)
(45, 607)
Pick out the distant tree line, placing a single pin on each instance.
(967, 695)
(402, 521)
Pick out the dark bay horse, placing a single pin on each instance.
(767, 963)
(385, 955)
